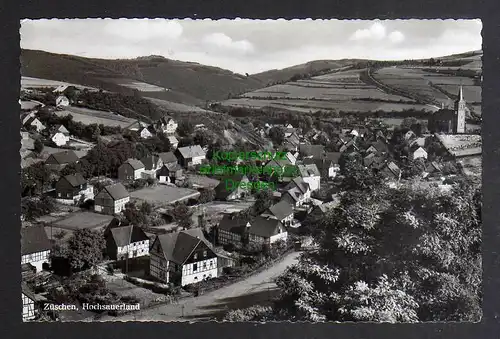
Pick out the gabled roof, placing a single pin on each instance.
(232, 223)
(380, 146)
(295, 193)
(61, 128)
(167, 157)
(281, 210)
(27, 291)
(178, 246)
(116, 191)
(34, 239)
(264, 227)
(136, 164)
(64, 157)
(299, 183)
(393, 168)
(75, 180)
(191, 151)
(308, 170)
(125, 235)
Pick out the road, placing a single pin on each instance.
(256, 289)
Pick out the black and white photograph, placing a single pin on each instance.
(241, 170)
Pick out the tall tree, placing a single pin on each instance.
(85, 248)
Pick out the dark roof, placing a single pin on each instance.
(167, 157)
(299, 183)
(380, 146)
(191, 151)
(149, 161)
(125, 235)
(281, 210)
(136, 164)
(178, 246)
(221, 192)
(233, 223)
(316, 151)
(393, 168)
(116, 191)
(27, 291)
(75, 180)
(64, 157)
(34, 239)
(333, 156)
(295, 193)
(264, 227)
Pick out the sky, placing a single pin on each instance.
(252, 46)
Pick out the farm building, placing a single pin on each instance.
(71, 188)
(60, 159)
(169, 173)
(111, 199)
(152, 163)
(168, 158)
(35, 247)
(190, 155)
(124, 242)
(183, 258)
(131, 169)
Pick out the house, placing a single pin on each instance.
(297, 192)
(111, 199)
(168, 158)
(390, 171)
(320, 210)
(182, 258)
(418, 152)
(173, 141)
(311, 175)
(169, 173)
(60, 159)
(59, 139)
(190, 155)
(373, 160)
(378, 147)
(124, 242)
(145, 132)
(311, 151)
(152, 163)
(73, 187)
(282, 211)
(229, 189)
(292, 157)
(29, 300)
(62, 129)
(131, 169)
(327, 168)
(33, 122)
(240, 231)
(166, 125)
(62, 101)
(136, 125)
(35, 247)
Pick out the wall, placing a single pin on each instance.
(36, 259)
(280, 236)
(142, 248)
(204, 269)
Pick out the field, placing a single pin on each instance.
(163, 194)
(202, 181)
(462, 145)
(174, 106)
(80, 220)
(29, 82)
(339, 91)
(441, 88)
(88, 116)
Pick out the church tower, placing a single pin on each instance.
(460, 109)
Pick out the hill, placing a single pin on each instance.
(156, 77)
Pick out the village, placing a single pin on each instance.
(156, 229)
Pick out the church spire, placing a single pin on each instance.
(461, 94)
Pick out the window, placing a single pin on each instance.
(204, 253)
(195, 267)
(204, 265)
(195, 256)
(134, 253)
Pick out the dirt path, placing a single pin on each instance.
(256, 289)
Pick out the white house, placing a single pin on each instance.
(145, 133)
(28, 298)
(297, 192)
(35, 247)
(62, 101)
(124, 242)
(166, 125)
(111, 199)
(190, 155)
(182, 258)
(419, 153)
(34, 122)
(311, 175)
(59, 139)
